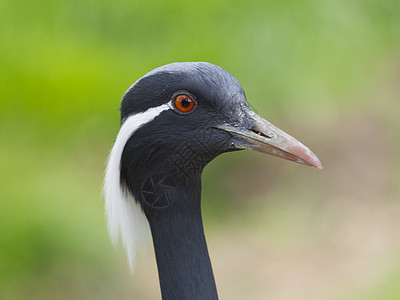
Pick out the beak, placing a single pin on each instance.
(256, 133)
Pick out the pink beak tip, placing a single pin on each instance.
(318, 166)
(315, 162)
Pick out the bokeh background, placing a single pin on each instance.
(327, 72)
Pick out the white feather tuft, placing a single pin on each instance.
(125, 216)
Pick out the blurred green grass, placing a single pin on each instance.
(305, 66)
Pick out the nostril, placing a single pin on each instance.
(260, 133)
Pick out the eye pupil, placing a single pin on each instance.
(185, 103)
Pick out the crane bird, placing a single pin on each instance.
(174, 121)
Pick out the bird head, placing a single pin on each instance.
(202, 112)
(175, 120)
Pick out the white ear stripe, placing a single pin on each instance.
(125, 216)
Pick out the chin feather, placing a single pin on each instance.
(126, 220)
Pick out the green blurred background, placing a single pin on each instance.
(327, 72)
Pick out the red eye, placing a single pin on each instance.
(184, 103)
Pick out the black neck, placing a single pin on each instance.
(183, 262)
